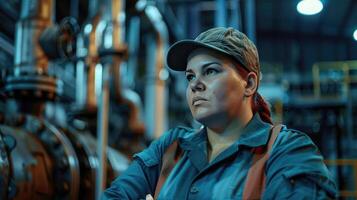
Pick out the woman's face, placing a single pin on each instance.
(215, 91)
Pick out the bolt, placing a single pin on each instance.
(63, 163)
(54, 141)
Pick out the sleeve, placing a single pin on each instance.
(135, 183)
(141, 176)
(295, 170)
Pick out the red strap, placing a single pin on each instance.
(169, 160)
(255, 181)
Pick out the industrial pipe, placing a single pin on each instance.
(155, 102)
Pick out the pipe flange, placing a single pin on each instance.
(121, 52)
(87, 161)
(32, 86)
(66, 170)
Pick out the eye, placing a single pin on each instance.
(211, 71)
(190, 77)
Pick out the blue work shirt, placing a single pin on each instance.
(294, 170)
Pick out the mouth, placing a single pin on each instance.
(198, 100)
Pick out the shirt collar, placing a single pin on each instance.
(255, 134)
(193, 139)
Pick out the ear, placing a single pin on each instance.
(252, 84)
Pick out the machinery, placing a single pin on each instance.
(41, 158)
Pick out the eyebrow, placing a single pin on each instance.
(204, 66)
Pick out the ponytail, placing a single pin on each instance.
(262, 107)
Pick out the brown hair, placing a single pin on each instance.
(262, 107)
(259, 104)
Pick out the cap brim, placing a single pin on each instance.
(179, 52)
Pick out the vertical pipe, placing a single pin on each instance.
(133, 40)
(93, 7)
(34, 18)
(182, 18)
(87, 54)
(102, 129)
(111, 52)
(112, 40)
(250, 19)
(195, 20)
(74, 8)
(221, 13)
(236, 17)
(157, 73)
(150, 96)
(80, 81)
(149, 86)
(31, 63)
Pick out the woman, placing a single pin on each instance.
(238, 154)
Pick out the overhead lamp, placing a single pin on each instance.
(309, 7)
(355, 34)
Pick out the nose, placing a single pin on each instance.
(197, 85)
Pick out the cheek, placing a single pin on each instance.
(188, 97)
(228, 93)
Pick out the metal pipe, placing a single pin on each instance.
(112, 51)
(250, 19)
(6, 46)
(126, 79)
(236, 17)
(156, 89)
(29, 79)
(221, 13)
(35, 16)
(74, 8)
(103, 134)
(87, 52)
(133, 42)
(112, 38)
(93, 7)
(195, 20)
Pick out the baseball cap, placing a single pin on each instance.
(227, 41)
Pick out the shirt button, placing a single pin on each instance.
(194, 190)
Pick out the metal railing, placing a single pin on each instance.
(340, 72)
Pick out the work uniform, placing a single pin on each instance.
(294, 170)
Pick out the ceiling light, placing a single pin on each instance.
(309, 7)
(355, 34)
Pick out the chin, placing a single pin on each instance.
(210, 118)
